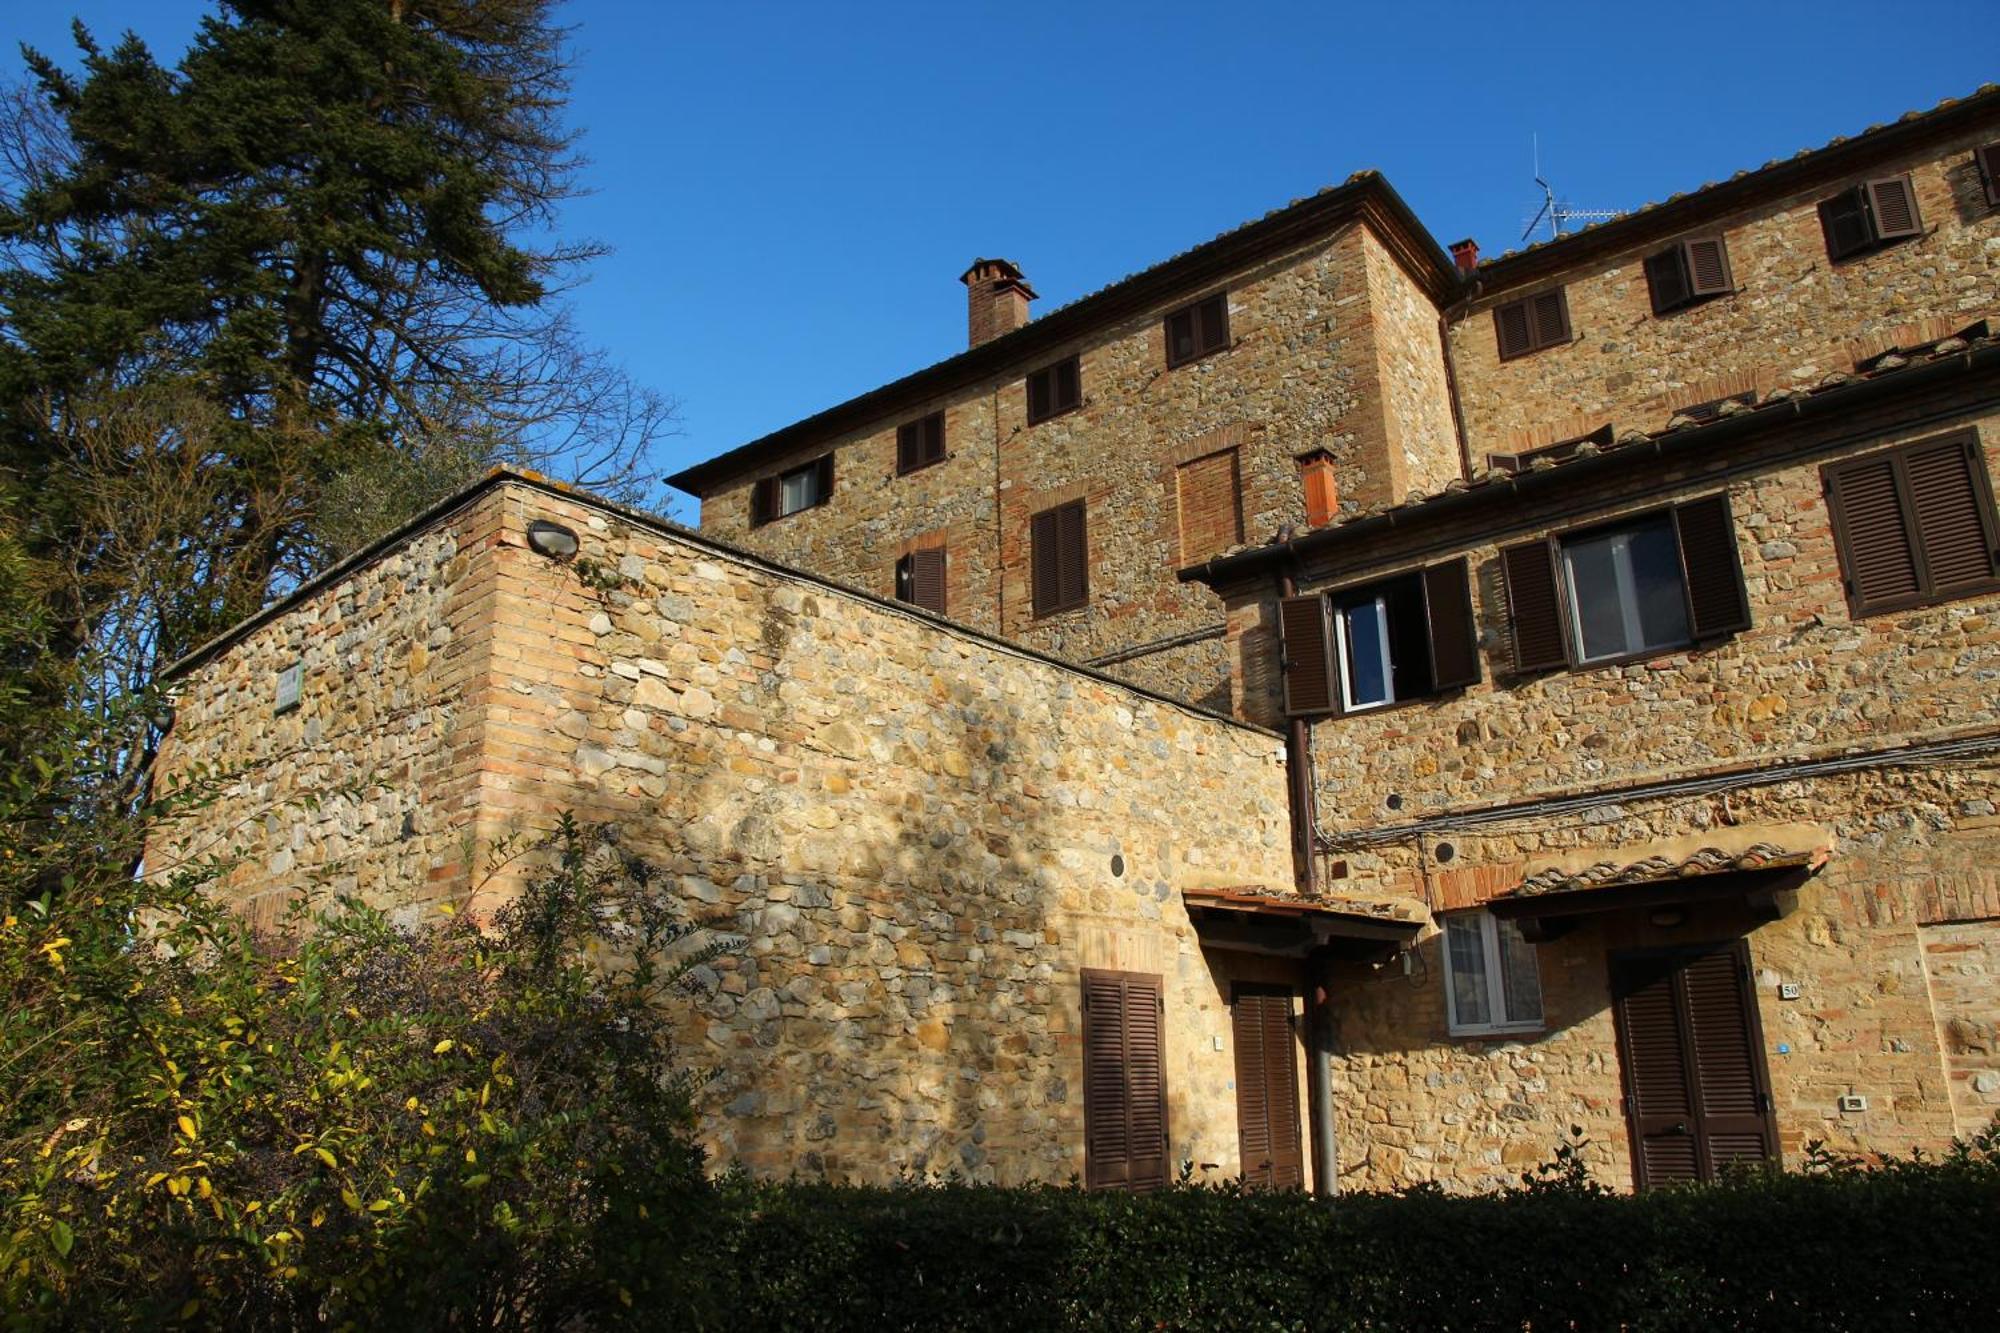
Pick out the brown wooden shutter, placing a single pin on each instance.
(823, 466)
(909, 449)
(1707, 267)
(1454, 636)
(1844, 218)
(1181, 345)
(1212, 316)
(1666, 280)
(1305, 656)
(1892, 206)
(1551, 318)
(763, 501)
(1988, 160)
(933, 442)
(1878, 549)
(1124, 1081)
(1511, 326)
(1069, 384)
(1074, 546)
(1534, 606)
(1948, 493)
(1659, 1087)
(926, 579)
(1045, 562)
(1718, 604)
(1267, 1088)
(1039, 385)
(1733, 1100)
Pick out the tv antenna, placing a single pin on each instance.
(1559, 214)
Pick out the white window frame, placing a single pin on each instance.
(1496, 986)
(1341, 651)
(1628, 596)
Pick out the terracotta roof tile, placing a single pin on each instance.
(1661, 869)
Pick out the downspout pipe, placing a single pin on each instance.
(1319, 1074)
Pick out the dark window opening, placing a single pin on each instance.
(1054, 390)
(1987, 159)
(920, 443)
(1532, 323)
(1195, 331)
(1868, 216)
(1559, 452)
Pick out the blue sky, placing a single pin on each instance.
(791, 190)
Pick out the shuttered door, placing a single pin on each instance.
(1267, 1088)
(1534, 607)
(1717, 602)
(1124, 1085)
(1696, 1089)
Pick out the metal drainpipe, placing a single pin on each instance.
(1319, 1075)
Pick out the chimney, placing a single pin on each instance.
(996, 300)
(1465, 254)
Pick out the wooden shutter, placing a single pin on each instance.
(1551, 318)
(1448, 614)
(1988, 160)
(1212, 320)
(1267, 1087)
(1182, 345)
(1068, 385)
(1878, 548)
(920, 443)
(1732, 1097)
(908, 447)
(1512, 327)
(1844, 218)
(823, 468)
(1949, 495)
(1667, 280)
(1073, 545)
(1534, 606)
(1124, 1081)
(1305, 656)
(1711, 569)
(1039, 385)
(1707, 267)
(1892, 207)
(763, 501)
(920, 580)
(1659, 1086)
(1045, 562)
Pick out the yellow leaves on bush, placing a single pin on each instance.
(443, 1046)
(187, 1125)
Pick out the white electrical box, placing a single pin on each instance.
(1853, 1101)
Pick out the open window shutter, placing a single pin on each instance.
(1180, 336)
(1124, 1082)
(1892, 202)
(1551, 312)
(1717, 601)
(823, 465)
(1305, 650)
(927, 579)
(1039, 384)
(933, 441)
(1950, 497)
(1707, 267)
(1213, 317)
(1988, 159)
(763, 501)
(1454, 638)
(1666, 279)
(1877, 548)
(1844, 218)
(1071, 541)
(1069, 386)
(1510, 325)
(1045, 561)
(909, 451)
(1534, 607)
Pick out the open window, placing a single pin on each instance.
(773, 498)
(920, 579)
(1868, 216)
(1688, 272)
(1407, 637)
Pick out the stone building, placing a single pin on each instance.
(1317, 708)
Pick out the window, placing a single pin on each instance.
(1124, 1081)
(1491, 981)
(1869, 216)
(1408, 637)
(1054, 390)
(1059, 557)
(1642, 585)
(1196, 330)
(1914, 525)
(1211, 505)
(1532, 323)
(773, 498)
(1688, 272)
(920, 579)
(919, 443)
(1987, 160)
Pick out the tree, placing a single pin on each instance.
(330, 225)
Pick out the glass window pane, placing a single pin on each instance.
(1595, 604)
(1365, 630)
(1466, 966)
(1655, 555)
(798, 490)
(1520, 980)
(1625, 590)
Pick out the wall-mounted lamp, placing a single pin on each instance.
(551, 539)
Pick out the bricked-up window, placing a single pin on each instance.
(773, 498)
(1914, 525)
(1868, 216)
(1987, 160)
(1194, 331)
(1054, 390)
(1532, 323)
(919, 443)
(1211, 505)
(1651, 583)
(1491, 979)
(1059, 557)
(1688, 272)
(920, 579)
(1124, 1081)
(1407, 637)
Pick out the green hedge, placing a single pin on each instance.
(1912, 1245)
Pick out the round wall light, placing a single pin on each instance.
(551, 539)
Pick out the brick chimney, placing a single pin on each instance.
(996, 300)
(1465, 254)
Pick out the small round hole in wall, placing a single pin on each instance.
(1117, 866)
(1395, 801)
(1445, 851)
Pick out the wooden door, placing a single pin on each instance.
(1697, 1091)
(1267, 1087)
(1124, 1081)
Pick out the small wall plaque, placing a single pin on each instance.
(288, 688)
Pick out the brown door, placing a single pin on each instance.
(1124, 1081)
(1697, 1092)
(1267, 1087)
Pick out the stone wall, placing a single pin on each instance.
(921, 836)
(1795, 316)
(1962, 964)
